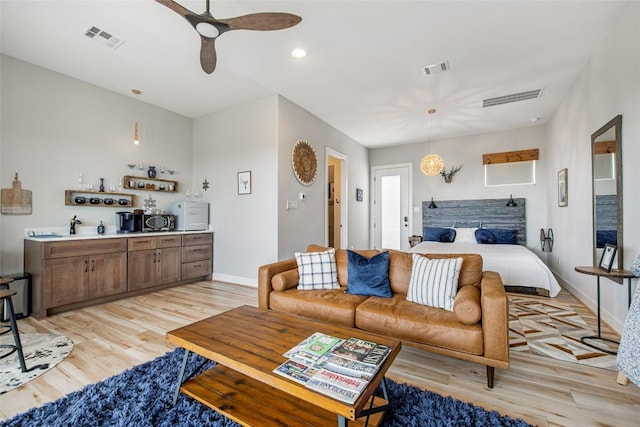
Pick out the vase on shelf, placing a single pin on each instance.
(101, 188)
(151, 172)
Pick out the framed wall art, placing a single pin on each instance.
(563, 190)
(608, 254)
(244, 182)
(359, 195)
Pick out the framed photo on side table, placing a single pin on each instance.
(608, 254)
(244, 182)
(563, 190)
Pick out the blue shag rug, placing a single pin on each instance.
(141, 396)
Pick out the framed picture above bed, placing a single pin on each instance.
(563, 190)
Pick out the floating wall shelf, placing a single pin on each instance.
(143, 183)
(98, 199)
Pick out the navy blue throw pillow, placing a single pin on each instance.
(438, 234)
(448, 235)
(504, 236)
(368, 276)
(484, 236)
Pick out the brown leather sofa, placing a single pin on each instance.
(476, 330)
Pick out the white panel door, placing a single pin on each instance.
(391, 208)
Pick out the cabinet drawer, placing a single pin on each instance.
(169, 241)
(196, 253)
(196, 269)
(197, 239)
(142, 243)
(83, 247)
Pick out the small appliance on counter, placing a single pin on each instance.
(127, 222)
(158, 222)
(191, 216)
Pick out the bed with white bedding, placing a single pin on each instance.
(520, 268)
(517, 265)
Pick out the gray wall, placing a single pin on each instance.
(468, 183)
(299, 227)
(609, 85)
(54, 127)
(243, 138)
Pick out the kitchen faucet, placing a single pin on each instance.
(72, 225)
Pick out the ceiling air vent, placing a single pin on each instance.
(515, 97)
(103, 37)
(440, 67)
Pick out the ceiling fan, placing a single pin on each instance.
(210, 28)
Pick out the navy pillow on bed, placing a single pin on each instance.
(504, 236)
(484, 236)
(368, 276)
(438, 234)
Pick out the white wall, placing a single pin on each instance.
(243, 138)
(54, 127)
(299, 227)
(468, 183)
(609, 85)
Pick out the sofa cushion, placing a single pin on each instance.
(285, 280)
(396, 317)
(317, 270)
(368, 276)
(332, 306)
(467, 305)
(342, 263)
(434, 282)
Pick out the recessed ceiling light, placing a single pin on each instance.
(298, 53)
(136, 91)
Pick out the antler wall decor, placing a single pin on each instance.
(448, 176)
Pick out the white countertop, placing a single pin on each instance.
(56, 236)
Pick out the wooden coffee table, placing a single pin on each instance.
(247, 343)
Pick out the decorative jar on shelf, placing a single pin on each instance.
(151, 172)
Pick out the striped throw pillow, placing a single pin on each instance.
(434, 282)
(317, 270)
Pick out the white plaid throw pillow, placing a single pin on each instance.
(434, 282)
(317, 270)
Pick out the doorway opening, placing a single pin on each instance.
(336, 208)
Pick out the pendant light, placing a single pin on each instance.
(431, 164)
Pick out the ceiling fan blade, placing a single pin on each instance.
(180, 10)
(208, 56)
(266, 21)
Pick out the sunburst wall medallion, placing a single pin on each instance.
(304, 162)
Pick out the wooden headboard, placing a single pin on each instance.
(490, 213)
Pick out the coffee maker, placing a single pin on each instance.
(127, 222)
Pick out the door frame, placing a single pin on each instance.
(372, 207)
(344, 202)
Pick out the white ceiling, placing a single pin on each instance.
(363, 71)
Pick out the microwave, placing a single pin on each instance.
(158, 222)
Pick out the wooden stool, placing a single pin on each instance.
(5, 298)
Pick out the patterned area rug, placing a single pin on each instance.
(38, 349)
(551, 329)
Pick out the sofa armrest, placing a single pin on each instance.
(495, 317)
(266, 273)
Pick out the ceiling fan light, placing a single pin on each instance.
(206, 29)
(431, 164)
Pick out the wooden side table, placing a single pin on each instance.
(613, 274)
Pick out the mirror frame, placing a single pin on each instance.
(616, 123)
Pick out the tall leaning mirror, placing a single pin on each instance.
(606, 149)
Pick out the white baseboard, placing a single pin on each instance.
(245, 281)
(591, 303)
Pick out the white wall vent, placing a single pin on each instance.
(515, 97)
(103, 37)
(440, 67)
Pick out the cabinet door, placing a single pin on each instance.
(65, 281)
(169, 265)
(107, 274)
(142, 269)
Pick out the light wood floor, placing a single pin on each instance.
(112, 337)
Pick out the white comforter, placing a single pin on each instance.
(517, 265)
